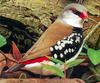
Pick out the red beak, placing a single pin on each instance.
(84, 15)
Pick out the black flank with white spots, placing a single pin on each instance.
(69, 46)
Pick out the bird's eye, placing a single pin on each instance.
(75, 11)
(82, 15)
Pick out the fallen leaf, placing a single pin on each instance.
(15, 52)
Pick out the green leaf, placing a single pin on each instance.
(99, 50)
(54, 69)
(94, 56)
(74, 63)
(2, 41)
(83, 54)
(55, 60)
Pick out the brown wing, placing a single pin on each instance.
(54, 33)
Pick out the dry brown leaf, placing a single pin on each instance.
(2, 62)
(2, 57)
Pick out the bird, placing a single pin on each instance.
(63, 40)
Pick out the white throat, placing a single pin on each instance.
(71, 19)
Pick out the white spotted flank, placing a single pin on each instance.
(61, 55)
(69, 50)
(62, 44)
(56, 47)
(59, 47)
(51, 49)
(55, 56)
(58, 42)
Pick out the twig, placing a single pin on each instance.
(92, 31)
(92, 76)
(8, 57)
(93, 20)
(2, 60)
(97, 43)
(22, 76)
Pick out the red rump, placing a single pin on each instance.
(34, 60)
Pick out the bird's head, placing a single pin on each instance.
(77, 9)
(74, 14)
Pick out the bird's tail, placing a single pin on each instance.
(23, 63)
(15, 68)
